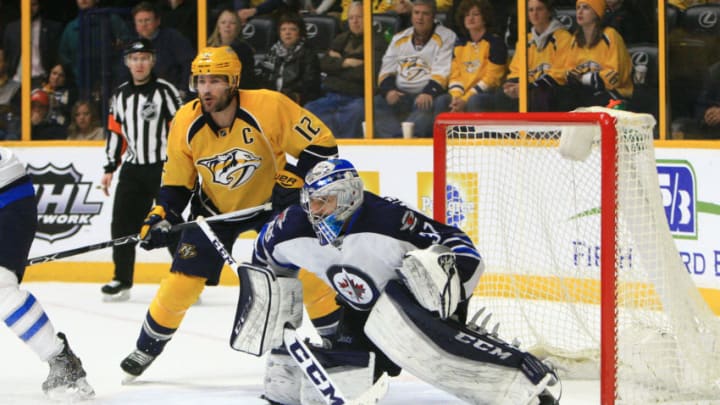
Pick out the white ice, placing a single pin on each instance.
(198, 365)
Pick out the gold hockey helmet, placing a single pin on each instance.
(222, 61)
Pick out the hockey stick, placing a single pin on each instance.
(124, 240)
(298, 350)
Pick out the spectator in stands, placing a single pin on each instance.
(403, 9)
(247, 9)
(93, 56)
(415, 70)
(9, 104)
(85, 125)
(598, 66)
(228, 30)
(708, 105)
(630, 22)
(479, 61)
(378, 7)
(174, 52)
(328, 7)
(182, 16)
(45, 34)
(342, 108)
(42, 128)
(62, 95)
(292, 67)
(9, 12)
(548, 43)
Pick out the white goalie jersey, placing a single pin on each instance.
(375, 241)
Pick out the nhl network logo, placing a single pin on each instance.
(61, 201)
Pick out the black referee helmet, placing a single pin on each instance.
(139, 45)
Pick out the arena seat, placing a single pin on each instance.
(321, 30)
(260, 33)
(566, 15)
(387, 24)
(645, 93)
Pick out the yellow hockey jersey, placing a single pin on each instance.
(388, 6)
(414, 69)
(237, 166)
(610, 58)
(546, 55)
(477, 66)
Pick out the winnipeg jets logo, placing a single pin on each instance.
(409, 221)
(354, 286)
(232, 168)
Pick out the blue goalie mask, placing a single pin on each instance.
(333, 191)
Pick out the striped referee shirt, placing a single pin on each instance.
(139, 122)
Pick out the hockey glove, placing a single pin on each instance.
(432, 277)
(286, 190)
(155, 229)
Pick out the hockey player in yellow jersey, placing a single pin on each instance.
(226, 152)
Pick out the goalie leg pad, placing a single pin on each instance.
(351, 371)
(283, 378)
(475, 367)
(266, 304)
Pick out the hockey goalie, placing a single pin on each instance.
(403, 282)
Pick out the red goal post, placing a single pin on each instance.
(539, 193)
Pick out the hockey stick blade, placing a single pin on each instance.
(124, 240)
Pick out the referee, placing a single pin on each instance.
(139, 119)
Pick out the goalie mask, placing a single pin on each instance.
(333, 191)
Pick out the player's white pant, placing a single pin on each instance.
(24, 315)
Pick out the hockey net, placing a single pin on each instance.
(540, 194)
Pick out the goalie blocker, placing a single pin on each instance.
(474, 366)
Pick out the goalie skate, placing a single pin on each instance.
(115, 291)
(66, 379)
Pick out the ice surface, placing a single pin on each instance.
(198, 366)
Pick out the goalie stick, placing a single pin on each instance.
(123, 240)
(298, 349)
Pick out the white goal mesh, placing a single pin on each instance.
(535, 216)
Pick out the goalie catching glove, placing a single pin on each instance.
(155, 230)
(432, 277)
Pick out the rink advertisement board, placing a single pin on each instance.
(74, 212)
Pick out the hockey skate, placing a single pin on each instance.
(135, 364)
(116, 291)
(66, 379)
